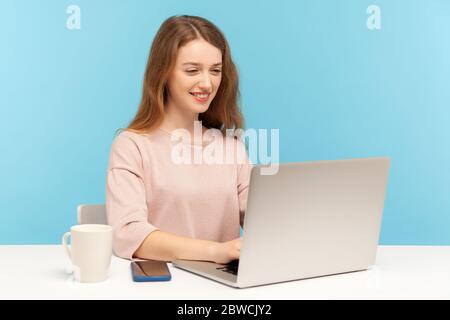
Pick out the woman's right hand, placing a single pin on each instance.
(227, 251)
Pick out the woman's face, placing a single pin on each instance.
(196, 77)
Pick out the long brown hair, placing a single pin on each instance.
(223, 112)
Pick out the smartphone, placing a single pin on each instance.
(150, 270)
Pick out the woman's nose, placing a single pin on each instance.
(205, 82)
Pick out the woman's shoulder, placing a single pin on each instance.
(137, 137)
(238, 146)
(125, 137)
(129, 144)
(234, 140)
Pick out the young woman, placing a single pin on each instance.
(160, 209)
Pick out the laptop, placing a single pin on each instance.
(310, 219)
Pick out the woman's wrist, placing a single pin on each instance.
(212, 249)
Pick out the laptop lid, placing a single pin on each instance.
(312, 219)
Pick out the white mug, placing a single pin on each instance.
(90, 251)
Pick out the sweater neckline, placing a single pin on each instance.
(203, 142)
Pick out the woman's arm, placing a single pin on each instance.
(160, 245)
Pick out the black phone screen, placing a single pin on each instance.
(153, 268)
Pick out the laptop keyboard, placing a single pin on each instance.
(231, 267)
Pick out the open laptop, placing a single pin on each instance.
(310, 219)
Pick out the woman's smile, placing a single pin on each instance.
(200, 97)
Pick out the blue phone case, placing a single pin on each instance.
(140, 276)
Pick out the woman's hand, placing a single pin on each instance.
(225, 252)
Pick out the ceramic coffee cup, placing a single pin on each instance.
(90, 251)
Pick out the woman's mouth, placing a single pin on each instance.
(200, 97)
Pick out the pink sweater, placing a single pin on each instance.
(147, 191)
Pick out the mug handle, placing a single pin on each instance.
(66, 247)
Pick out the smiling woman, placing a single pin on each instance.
(161, 209)
(189, 56)
(200, 80)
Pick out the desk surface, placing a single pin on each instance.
(401, 272)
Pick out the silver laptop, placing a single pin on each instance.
(311, 219)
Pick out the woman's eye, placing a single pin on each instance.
(194, 70)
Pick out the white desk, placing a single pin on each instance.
(401, 272)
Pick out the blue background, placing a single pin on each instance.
(334, 88)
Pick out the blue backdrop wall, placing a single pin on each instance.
(314, 69)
